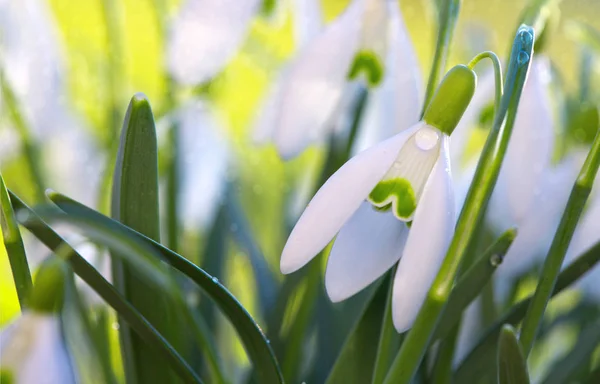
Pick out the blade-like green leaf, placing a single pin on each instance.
(77, 332)
(14, 246)
(472, 283)
(356, 361)
(252, 337)
(512, 367)
(106, 291)
(478, 361)
(577, 359)
(135, 204)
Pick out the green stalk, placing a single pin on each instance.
(447, 23)
(579, 195)
(14, 247)
(389, 340)
(413, 349)
(442, 369)
(30, 146)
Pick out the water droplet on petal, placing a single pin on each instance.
(522, 58)
(426, 138)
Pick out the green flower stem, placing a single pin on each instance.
(497, 74)
(512, 365)
(442, 369)
(579, 196)
(447, 23)
(30, 146)
(107, 292)
(413, 349)
(15, 250)
(389, 340)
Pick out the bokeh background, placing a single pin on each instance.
(111, 49)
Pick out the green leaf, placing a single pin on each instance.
(77, 332)
(106, 291)
(356, 361)
(472, 282)
(512, 366)
(135, 204)
(14, 246)
(478, 361)
(252, 337)
(577, 359)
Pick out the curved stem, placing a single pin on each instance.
(499, 87)
(447, 22)
(414, 347)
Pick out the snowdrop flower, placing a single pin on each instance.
(205, 36)
(204, 161)
(31, 62)
(369, 200)
(33, 349)
(350, 49)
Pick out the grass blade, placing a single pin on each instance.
(512, 366)
(135, 204)
(255, 342)
(107, 292)
(14, 246)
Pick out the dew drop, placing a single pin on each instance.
(426, 138)
(526, 37)
(115, 326)
(495, 260)
(522, 58)
(215, 280)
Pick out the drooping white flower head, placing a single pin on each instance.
(205, 36)
(311, 90)
(405, 178)
(33, 350)
(204, 154)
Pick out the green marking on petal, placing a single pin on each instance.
(385, 208)
(398, 192)
(367, 62)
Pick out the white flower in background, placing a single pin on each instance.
(31, 60)
(313, 87)
(530, 193)
(33, 350)
(205, 36)
(369, 200)
(204, 161)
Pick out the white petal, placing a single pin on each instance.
(530, 149)
(337, 200)
(426, 245)
(308, 20)
(33, 350)
(205, 35)
(315, 83)
(395, 104)
(265, 124)
(369, 244)
(537, 229)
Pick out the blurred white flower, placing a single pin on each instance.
(205, 36)
(310, 91)
(404, 178)
(31, 60)
(33, 350)
(204, 161)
